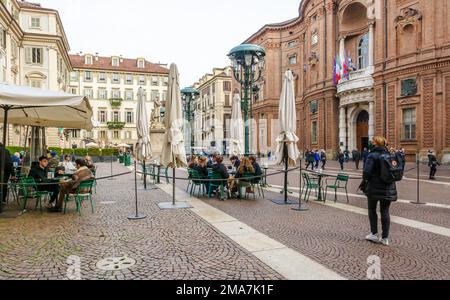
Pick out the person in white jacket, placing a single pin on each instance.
(68, 164)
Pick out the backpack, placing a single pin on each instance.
(391, 168)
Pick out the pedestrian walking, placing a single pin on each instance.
(380, 175)
(347, 155)
(433, 164)
(323, 158)
(308, 155)
(341, 159)
(365, 155)
(356, 155)
(316, 159)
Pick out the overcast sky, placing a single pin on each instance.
(195, 34)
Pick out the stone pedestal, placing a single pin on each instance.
(157, 140)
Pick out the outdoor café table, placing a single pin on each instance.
(320, 176)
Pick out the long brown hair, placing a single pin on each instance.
(246, 165)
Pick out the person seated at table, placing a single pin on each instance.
(246, 167)
(53, 161)
(82, 174)
(68, 165)
(201, 167)
(193, 162)
(15, 159)
(39, 173)
(90, 163)
(60, 171)
(235, 162)
(257, 168)
(219, 168)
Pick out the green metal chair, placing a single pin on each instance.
(341, 183)
(310, 184)
(84, 192)
(29, 189)
(247, 184)
(197, 183)
(216, 183)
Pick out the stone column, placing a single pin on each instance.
(351, 131)
(342, 129)
(371, 43)
(342, 47)
(371, 120)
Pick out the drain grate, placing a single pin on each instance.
(116, 263)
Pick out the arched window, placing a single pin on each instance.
(363, 52)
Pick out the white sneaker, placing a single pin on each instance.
(373, 238)
(384, 242)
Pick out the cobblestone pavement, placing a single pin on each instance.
(170, 245)
(335, 238)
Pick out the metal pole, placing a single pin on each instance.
(418, 182)
(174, 202)
(136, 216)
(145, 176)
(286, 164)
(300, 208)
(246, 107)
(3, 154)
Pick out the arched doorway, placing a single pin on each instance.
(362, 130)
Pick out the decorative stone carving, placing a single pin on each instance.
(409, 16)
(313, 59)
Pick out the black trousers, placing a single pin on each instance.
(385, 217)
(433, 171)
(4, 187)
(54, 189)
(324, 162)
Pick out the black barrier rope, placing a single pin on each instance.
(59, 183)
(220, 180)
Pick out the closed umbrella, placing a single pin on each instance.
(287, 149)
(237, 128)
(143, 148)
(174, 151)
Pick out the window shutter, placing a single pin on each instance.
(28, 55)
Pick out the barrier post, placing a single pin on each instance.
(417, 202)
(300, 208)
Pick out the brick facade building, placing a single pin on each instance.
(399, 86)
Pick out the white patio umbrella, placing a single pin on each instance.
(287, 149)
(92, 146)
(123, 146)
(174, 151)
(143, 148)
(287, 116)
(43, 108)
(237, 128)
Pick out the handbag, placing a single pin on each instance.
(363, 186)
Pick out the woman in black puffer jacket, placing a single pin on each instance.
(378, 191)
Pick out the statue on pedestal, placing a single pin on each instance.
(157, 121)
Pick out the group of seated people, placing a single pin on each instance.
(239, 169)
(79, 171)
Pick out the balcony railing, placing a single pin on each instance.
(360, 79)
(116, 102)
(116, 125)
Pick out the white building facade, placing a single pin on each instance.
(111, 84)
(213, 111)
(33, 52)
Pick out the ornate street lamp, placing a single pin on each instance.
(248, 68)
(189, 96)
